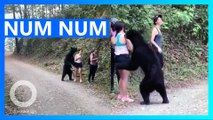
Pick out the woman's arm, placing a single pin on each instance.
(128, 43)
(93, 58)
(113, 40)
(77, 57)
(90, 59)
(154, 33)
(113, 34)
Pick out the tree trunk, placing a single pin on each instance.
(25, 11)
(46, 6)
(20, 11)
(32, 10)
(17, 50)
(43, 11)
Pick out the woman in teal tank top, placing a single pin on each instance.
(121, 45)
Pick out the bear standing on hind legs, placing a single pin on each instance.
(145, 56)
(68, 62)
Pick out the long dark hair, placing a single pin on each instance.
(119, 26)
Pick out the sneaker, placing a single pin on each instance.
(126, 99)
(80, 81)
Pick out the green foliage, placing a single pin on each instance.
(185, 35)
(179, 20)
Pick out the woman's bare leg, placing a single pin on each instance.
(125, 76)
(80, 74)
(120, 84)
(76, 74)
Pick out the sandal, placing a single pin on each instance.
(119, 96)
(126, 99)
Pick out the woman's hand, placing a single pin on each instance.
(159, 50)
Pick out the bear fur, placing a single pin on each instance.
(68, 62)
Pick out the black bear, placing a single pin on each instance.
(145, 56)
(68, 62)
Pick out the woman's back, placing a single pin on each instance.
(120, 48)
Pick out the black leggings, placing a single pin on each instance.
(92, 71)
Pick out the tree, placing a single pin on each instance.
(16, 39)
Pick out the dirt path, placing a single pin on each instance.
(192, 100)
(69, 98)
(54, 96)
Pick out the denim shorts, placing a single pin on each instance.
(122, 59)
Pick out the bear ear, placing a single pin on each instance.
(73, 49)
(129, 31)
(141, 31)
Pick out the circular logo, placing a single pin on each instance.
(26, 103)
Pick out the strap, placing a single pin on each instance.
(158, 30)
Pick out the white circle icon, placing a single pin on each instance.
(24, 83)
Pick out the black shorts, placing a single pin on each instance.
(160, 56)
(78, 65)
(123, 59)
